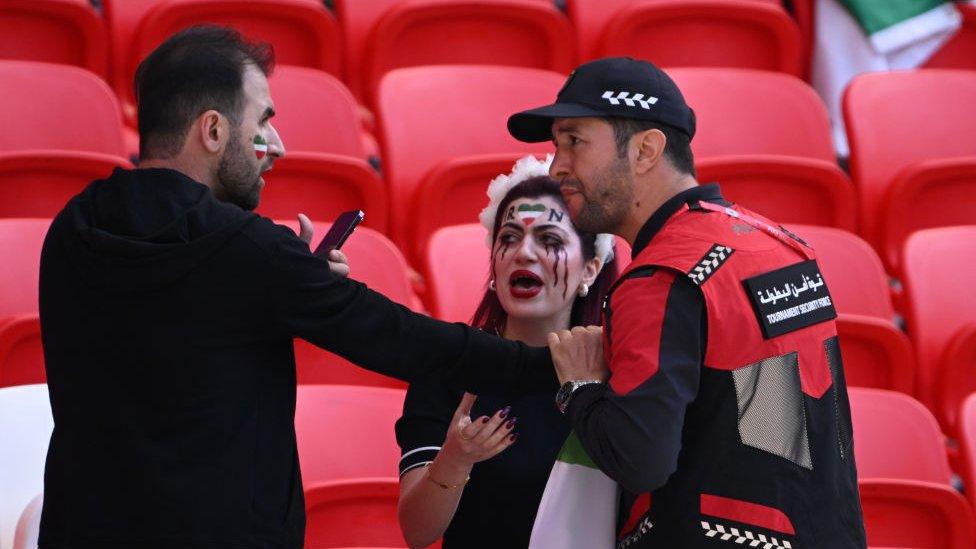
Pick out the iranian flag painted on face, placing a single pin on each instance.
(528, 212)
(260, 147)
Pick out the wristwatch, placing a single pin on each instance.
(565, 393)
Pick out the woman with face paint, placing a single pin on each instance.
(473, 470)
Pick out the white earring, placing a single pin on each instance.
(491, 285)
(583, 291)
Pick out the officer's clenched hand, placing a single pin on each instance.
(578, 354)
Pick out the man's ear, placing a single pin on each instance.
(650, 148)
(213, 130)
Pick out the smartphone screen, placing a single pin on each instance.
(343, 226)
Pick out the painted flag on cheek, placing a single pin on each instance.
(528, 212)
(260, 147)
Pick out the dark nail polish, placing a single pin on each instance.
(511, 423)
(485, 419)
(505, 411)
(513, 436)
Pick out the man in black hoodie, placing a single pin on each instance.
(168, 311)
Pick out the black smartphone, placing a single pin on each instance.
(343, 226)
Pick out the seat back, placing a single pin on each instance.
(939, 302)
(967, 446)
(351, 512)
(382, 35)
(957, 53)
(25, 429)
(853, 271)
(896, 437)
(303, 32)
(20, 246)
(314, 112)
(905, 513)
(899, 118)
(322, 186)
(21, 353)
(457, 271)
(54, 175)
(54, 31)
(48, 106)
(744, 112)
(875, 353)
(706, 33)
(346, 431)
(376, 262)
(431, 115)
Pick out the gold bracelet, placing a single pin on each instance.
(441, 484)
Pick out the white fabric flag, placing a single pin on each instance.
(855, 36)
(579, 506)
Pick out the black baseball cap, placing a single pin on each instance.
(615, 86)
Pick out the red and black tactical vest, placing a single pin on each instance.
(766, 458)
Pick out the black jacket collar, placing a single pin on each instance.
(707, 193)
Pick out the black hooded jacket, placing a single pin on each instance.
(167, 319)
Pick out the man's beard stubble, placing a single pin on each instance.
(606, 203)
(237, 179)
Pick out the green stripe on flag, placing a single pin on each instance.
(573, 452)
(876, 15)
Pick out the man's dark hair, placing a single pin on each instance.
(195, 70)
(678, 147)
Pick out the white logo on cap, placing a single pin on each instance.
(637, 99)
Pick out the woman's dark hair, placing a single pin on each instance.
(193, 71)
(490, 316)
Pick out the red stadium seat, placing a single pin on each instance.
(957, 53)
(855, 275)
(905, 513)
(937, 264)
(347, 432)
(54, 31)
(21, 354)
(303, 32)
(48, 106)
(322, 186)
(353, 512)
(432, 115)
(967, 446)
(457, 271)
(783, 166)
(382, 35)
(875, 354)
(931, 193)
(896, 437)
(20, 246)
(377, 262)
(314, 112)
(896, 120)
(691, 33)
(38, 183)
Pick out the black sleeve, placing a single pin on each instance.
(631, 427)
(427, 412)
(345, 317)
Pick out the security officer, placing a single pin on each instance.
(725, 418)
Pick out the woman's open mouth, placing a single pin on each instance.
(524, 284)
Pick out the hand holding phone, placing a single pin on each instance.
(343, 226)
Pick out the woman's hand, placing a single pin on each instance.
(469, 442)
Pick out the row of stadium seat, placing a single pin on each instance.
(351, 489)
(929, 365)
(764, 136)
(360, 40)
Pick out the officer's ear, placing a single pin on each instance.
(650, 149)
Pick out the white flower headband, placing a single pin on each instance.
(526, 168)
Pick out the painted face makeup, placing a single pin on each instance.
(260, 147)
(537, 260)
